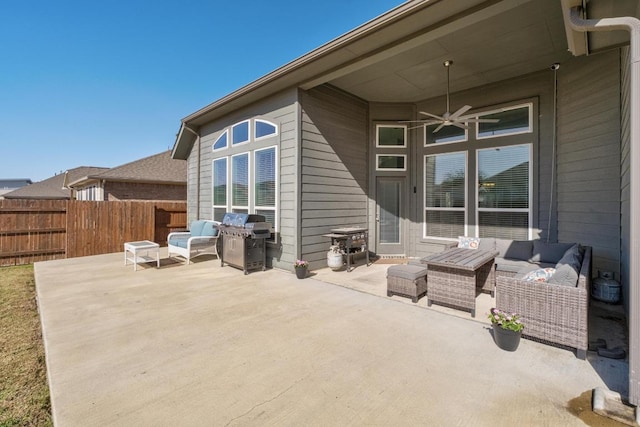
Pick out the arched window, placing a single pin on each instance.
(264, 129)
(221, 142)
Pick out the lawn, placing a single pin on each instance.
(24, 393)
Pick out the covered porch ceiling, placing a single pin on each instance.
(488, 43)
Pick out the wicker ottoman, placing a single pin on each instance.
(407, 281)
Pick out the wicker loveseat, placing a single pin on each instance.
(201, 239)
(554, 311)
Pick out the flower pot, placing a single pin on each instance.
(301, 272)
(506, 339)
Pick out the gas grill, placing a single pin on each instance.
(243, 241)
(352, 241)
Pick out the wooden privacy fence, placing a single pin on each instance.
(38, 230)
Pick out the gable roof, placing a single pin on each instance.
(53, 187)
(158, 169)
(14, 183)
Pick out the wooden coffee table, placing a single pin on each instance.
(454, 274)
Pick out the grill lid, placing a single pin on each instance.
(240, 219)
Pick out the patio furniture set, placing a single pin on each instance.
(201, 239)
(546, 283)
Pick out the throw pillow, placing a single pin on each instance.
(568, 268)
(539, 275)
(468, 242)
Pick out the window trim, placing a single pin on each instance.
(464, 209)
(271, 135)
(378, 168)
(277, 183)
(529, 210)
(391, 147)
(529, 105)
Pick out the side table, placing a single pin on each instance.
(141, 252)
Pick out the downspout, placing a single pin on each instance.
(197, 169)
(633, 26)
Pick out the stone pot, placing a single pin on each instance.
(506, 339)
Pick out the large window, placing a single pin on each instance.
(498, 157)
(504, 192)
(245, 180)
(445, 194)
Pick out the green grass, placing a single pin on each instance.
(24, 393)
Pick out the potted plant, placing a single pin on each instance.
(507, 329)
(301, 267)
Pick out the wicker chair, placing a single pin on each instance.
(553, 313)
(202, 239)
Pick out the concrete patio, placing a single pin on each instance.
(205, 345)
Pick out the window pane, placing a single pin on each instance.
(447, 224)
(240, 180)
(218, 214)
(264, 129)
(245, 211)
(445, 180)
(391, 162)
(265, 177)
(269, 216)
(510, 121)
(221, 142)
(220, 182)
(503, 177)
(446, 134)
(504, 225)
(391, 136)
(240, 133)
(389, 200)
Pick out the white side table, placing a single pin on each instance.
(142, 251)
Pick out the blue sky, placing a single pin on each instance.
(87, 83)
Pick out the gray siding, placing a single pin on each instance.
(283, 110)
(333, 168)
(625, 179)
(588, 157)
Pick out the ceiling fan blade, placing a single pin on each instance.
(432, 115)
(460, 125)
(439, 127)
(425, 123)
(460, 112)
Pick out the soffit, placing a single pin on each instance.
(514, 42)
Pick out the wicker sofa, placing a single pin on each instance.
(555, 310)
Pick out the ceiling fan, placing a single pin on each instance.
(457, 118)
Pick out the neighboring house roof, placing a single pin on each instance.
(54, 187)
(14, 183)
(158, 169)
(9, 185)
